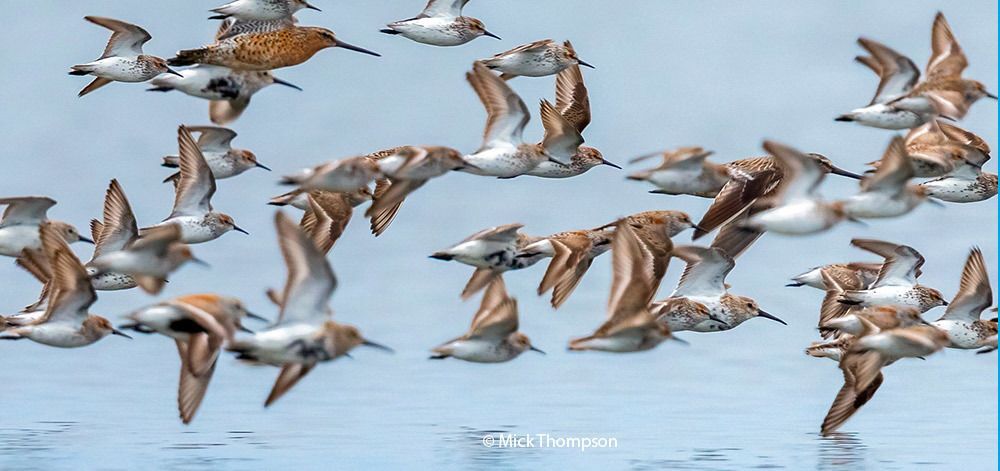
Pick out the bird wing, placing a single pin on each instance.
(497, 314)
(893, 172)
(974, 290)
(947, 59)
(443, 8)
(750, 180)
(705, 273)
(25, 210)
(73, 293)
(126, 38)
(902, 263)
(572, 99)
(310, 280)
(561, 137)
(214, 138)
(119, 228)
(897, 73)
(193, 194)
(506, 113)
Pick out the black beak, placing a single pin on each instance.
(354, 48)
(312, 7)
(610, 164)
(243, 329)
(585, 64)
(260, 165)
(990, 95)
(255, 316)
(120, 333)
(239, 229)
(716, 319)
(487, 33)
(844, 173)
(85, 239)
(766, 315)
(532, 348)
(172, 71)
(379, 346)
(698, 228)
(287, 84)
(198, 261)
(468, 165)
(944, 303)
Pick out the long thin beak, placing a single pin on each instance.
(172, 71)
(944, 303)
(123, 334)
(354, 48)
(243, 329)
(239, 229)
(990, 95)
(610, 164)
(468, 165)
(311, 7)
(287, 84)
(680, 340)
(532, 348)
(845, 173)
(255, 316)
(260, 165)
(698, 228)
(198, 261)
(716, 319)
(85, 239)
(765, 315)
(487, 33)
(585, 64)
(379, 346)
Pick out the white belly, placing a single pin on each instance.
(58, 334)
(884, 117)
(878, 205)
(433, 31)
(806, 217)
(14, 239)
(501, 161)
(480, 351)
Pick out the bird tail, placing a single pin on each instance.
(844, 118)
(171, 161)
(81, 69)
(389, 31)
(188, 57)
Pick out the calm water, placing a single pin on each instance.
(723, 75)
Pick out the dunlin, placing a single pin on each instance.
(930, 151)
(966, 183)
(655, 229)
(327, 215)
(215, 144)
(897, 280)
(887, 193)
(702, 302)
(149, 260)
(492, 251)
(343, 176)
(66, 322)
(863, 273)
(304, 334)
(630, 327)
(193, 211)
(199, 324)
(440, 24)
(897, 75)
(884, 317)
(684, 171)
(118, 231)
(228, 90)
(537, 59)
(123, 60)
(21, 220)
(961, 319)
(265, 50)
(493, 336)
(267, 10)
(572, 254)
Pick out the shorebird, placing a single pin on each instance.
(966, 183)
(572, 254)
(147, 261)
(537, 59)
(123, 60)
(897, 280)
(440, 24)
(266, 10)
(199, 324)
(229, 91)
(753, 184)
(493, 336)
(932, 152)
(117, 231)
(343, 176)
(795, 207)
(19, 226)
(897, 75)
(888, 192)
(276, 45)
(215, 144)
(564, 130)
(192, 210)
(491, 251)
(327, 215)
(304, 333)
(701, 302)
(66, 322)
(656, 229)
(684, 171)
(844, 330)
(405, 169)
(630, 327)
(867, 355)
(864, 273)
(961, 321)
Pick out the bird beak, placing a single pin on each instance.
(487, 33)
(610, 164)
(240, 229)
(716, 319)
(585, 64)
(243, 329)
(198, 261)
(255, 316)
(311, 7)
(172, 71)
(974, 164)
(84, 239)
(260, 165)
(990, 95)
(287, 84)
(379, 346)
(354, 48)
(764, 314)
(944, 303)
(532, 348)
(844, 173)
(468, 165)
(698, 228)
(120, 333)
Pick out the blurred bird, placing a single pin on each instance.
(492, 251)
(865, 273)
(684, 171)
(342, 176)
(440, 24)
(149, 260)
(572, 254)
(966, 183)
(123, 59)
(19, 226)
(228, 90)
(888, 193)
(266, 10)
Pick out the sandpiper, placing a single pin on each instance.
(537, 59)
(897, 280)
(884, 317)
(656, 229)
(961, 319)
(228, 90)
(66, 322)
(304, 334)
(149, 260)
(215, 145)
(199, 324)
(493, 336)
(440, 24)
(267, 10)
(21, 220)
(701, 302)
(931, 152)
(564, 129)
(897, 75)
(123, 60)
(888, 192)
(966, 183)
(492, 251)
(572, 254)
(684, 171)
(283, 46)
(118, 231)
(630, 327)
(344, 175)
(327, 215)
(864, 273)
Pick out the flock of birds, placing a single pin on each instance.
(870, 316)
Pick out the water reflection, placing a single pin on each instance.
(467, 449)
(841, 450)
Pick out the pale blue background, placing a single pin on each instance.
(723, 75)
